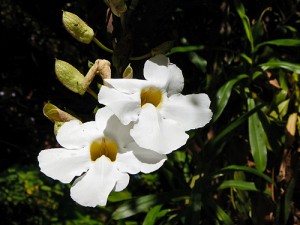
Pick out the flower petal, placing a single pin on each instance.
(128, 86)
(149, 160)
(127, 162)
(157, 134)
(74, 134)
(122, 182)
(118, 132)
(160, 71)
(102, 116)
(190, 111)
(93, 188)
(62, 164)
(125, 106)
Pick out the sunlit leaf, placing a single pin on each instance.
(154, 214)
(239, 184)
(256, 138)
(275, 64)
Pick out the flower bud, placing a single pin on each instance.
(118, 7)
(77, 28)
(56, 115)
(162, 48)
(69, 76)
(128, 72)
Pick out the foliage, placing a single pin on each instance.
(242, 168)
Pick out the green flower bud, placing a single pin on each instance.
(77, 28)
(128, 72)
(118, 7)
(57, 116)
(69, 76)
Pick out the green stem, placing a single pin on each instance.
(148, 55)
(92, 93)
(102, 45)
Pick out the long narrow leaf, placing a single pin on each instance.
(223, 96)
(249, 170)
(245, 21)
(256, 138)
(239, 184)
(280, 42)
(221, 215)
(274, 64)
(189, 48)
(144, 203)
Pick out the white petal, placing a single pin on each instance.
(127, 162)
(128, 86)
(118, 132)
(122, 182)
(74, 134)
(125, 106)
(157, 134)
(190, 111)
(102, 116)
(156, 70)
(176, 80)
(149, 160)
(168, 76)
(93, 188)
(62, 164)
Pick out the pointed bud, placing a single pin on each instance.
(77, 28)
(69, 76)
(57, 116)
(118, 7)
(128, 72)
(162, 48)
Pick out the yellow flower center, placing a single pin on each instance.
(151, 95)
(103, 146)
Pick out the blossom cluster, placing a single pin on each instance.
(139, 123)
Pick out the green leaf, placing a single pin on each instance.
(245, 21)
(223, 96)
(256, 138)
(275, 64)
(154, 214)
(280, 42)
(119, 196)
(232, 126)
(221, 215)
(239, 184)
(249, 170)
(189, 48)
(142, 204)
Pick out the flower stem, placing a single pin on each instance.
(102, 45)
(92, 93)
(148, 55)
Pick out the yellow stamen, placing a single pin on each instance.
(103, 146)
(151, 95)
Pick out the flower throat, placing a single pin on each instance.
(103, 146)
(151, 95)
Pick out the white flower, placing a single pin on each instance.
(101, 153)
(160, 112)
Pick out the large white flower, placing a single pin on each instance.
(101, 153)
(160, 112)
